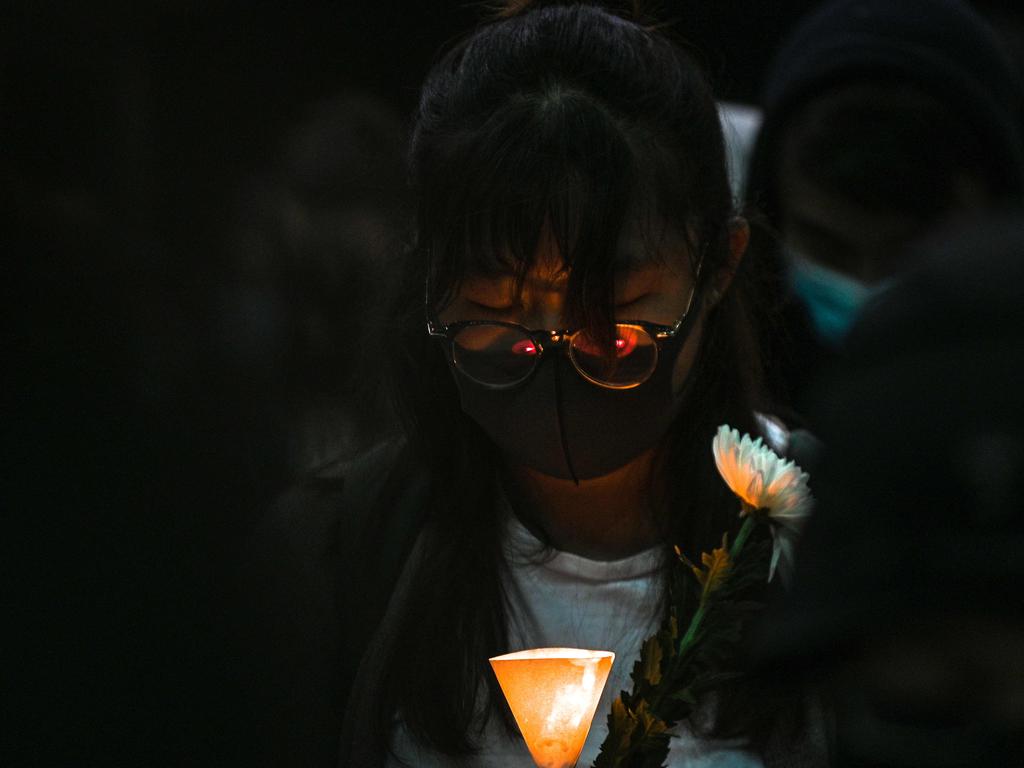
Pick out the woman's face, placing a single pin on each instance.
(656, 291)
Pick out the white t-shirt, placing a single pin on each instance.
(570, 601)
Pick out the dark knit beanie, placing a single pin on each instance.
(941, 47)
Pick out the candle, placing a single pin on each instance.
(553, 694)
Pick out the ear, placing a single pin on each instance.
(739, 239)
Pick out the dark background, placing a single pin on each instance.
(143, 440)
(161, 101)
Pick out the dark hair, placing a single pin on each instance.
(902, 150)
(937, 55)
(573, 117)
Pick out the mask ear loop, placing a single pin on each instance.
(560, 363)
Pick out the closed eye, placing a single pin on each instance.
(631, 302)
(491, 308)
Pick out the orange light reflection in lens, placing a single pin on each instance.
(524, 347)
(626, 343)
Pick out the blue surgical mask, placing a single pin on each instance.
(833, 299)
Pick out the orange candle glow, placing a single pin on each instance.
(553, 694)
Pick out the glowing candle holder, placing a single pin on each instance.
(553, 694)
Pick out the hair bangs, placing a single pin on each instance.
(487, 214)
(558, 164)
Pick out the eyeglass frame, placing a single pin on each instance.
(658, 332)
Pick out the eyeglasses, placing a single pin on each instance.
(500, 355)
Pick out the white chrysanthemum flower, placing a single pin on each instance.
(766, 483)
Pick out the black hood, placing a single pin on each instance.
(940, 46)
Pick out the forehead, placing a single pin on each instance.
(637, 251)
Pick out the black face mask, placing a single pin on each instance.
(560, 424)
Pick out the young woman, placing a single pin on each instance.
(575, 320)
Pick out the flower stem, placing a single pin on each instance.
(741, 537)
(691, 631)
(698, 615)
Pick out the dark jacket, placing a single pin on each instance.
(317, 575)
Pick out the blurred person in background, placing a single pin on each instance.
(318, 231)
(882, 121)
(1007, 20)
(908, 582)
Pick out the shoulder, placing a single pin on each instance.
(318, 571)
(305, 540)
(325, 556)
(342, 534)
(332, 505)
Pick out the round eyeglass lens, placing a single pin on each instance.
(626, 361)
(496, 355)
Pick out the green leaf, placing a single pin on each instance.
(621, 717)
(622, 724)
(717, 566)
(695, 651)
(652, 724)
(651, 659)
(685, 695)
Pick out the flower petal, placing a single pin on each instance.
(761, 478)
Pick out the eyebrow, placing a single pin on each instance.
(556, 281)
